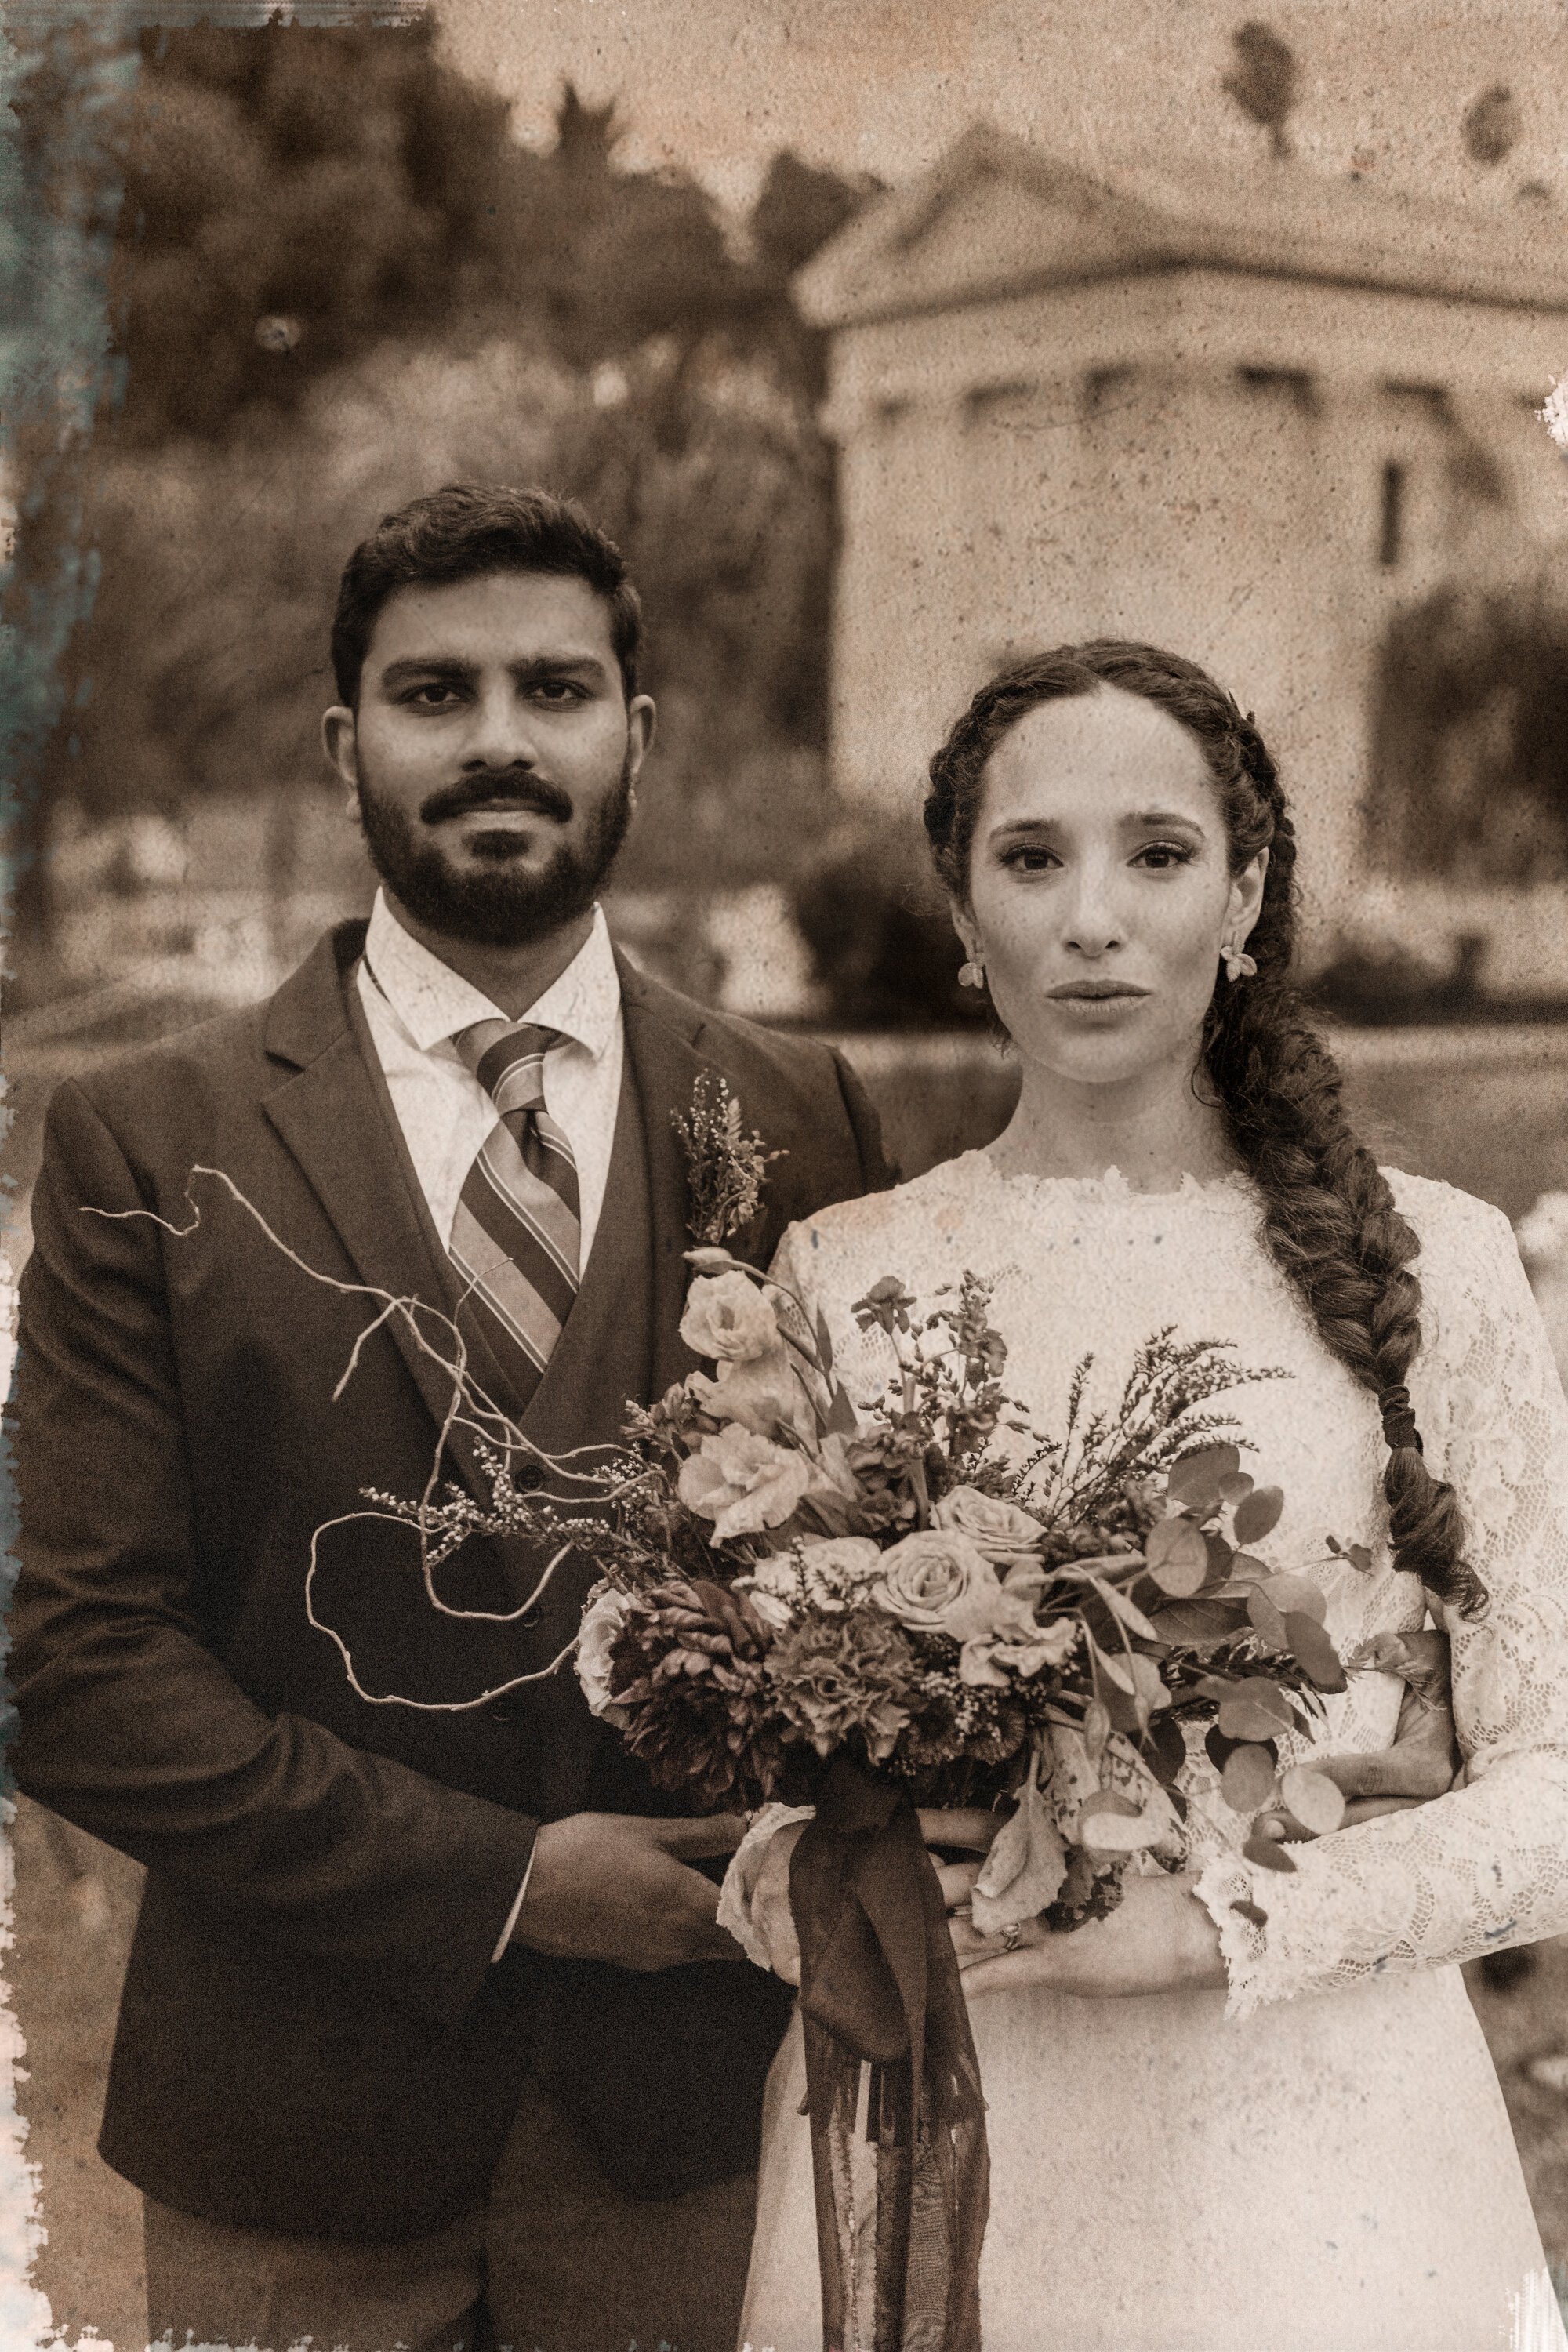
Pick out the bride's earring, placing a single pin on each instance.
(971, 975)
(1238, 966)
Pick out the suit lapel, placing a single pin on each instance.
(662, 1048)
(333, 1114)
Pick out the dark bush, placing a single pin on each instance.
(880, 937)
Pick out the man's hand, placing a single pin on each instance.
(970, 1830)
(614, 1887)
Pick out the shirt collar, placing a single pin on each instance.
(433, 1002)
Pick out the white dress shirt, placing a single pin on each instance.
(415, 1005)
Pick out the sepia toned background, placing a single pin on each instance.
(888, 342)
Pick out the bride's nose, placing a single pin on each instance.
(1093, 922)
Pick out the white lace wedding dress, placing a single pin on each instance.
(1320, 2162)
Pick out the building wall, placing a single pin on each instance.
(1254, 471)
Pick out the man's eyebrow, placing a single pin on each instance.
(558, 666)
(547, 665)
(431, 666)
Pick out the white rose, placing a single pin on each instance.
(744, 1482)
(730, 1320)
(596, 1636)
(937, 1581)
(826, 1576)
(998, 1529)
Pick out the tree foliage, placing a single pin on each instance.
(1470, 733)
(1263, 80)
(336, 281)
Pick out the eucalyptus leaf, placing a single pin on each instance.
(1112, 1831)
(1236, 1489)
(1206, 1618)
(1025, 1867)
(1266, 1620)
(1255, 1710)
(1148, 1684)
(1311, 1647)
(1165, 1750)
(1097, 1730)
(1257, 1513)
(1259, 1918)
(1297, 1594)
(1314, 1800)
(1132, 1616)
(1268, 1855)
(1196, 1478)
(1246, 1782)
(1178, 1556)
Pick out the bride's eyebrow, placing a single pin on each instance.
(1167, 820)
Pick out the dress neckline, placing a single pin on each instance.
(1231, 1190)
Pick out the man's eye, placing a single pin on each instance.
(438, 695)
(557, 692)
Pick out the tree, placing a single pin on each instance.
(1263, 81)
(284, 260)
(1490, 127)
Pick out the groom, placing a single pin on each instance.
(428, 2036)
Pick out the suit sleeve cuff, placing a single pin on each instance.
(511, 1915)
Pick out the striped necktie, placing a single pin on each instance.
(516, 1240)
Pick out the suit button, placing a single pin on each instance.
(528, 1477)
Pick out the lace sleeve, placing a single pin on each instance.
(813, 1264)
(1487, 1865)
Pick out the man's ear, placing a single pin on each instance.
(339, 736)
(642, 724)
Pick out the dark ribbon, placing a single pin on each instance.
(879, 1988)
(1398, 1421)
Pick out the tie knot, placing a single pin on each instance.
(508, 1059)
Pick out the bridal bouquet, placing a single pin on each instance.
(789, 1585)
(869, 1611)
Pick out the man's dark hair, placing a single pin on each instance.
(460, 533)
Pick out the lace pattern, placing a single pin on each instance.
(1085, 1268)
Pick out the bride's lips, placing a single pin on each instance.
(1095, 992)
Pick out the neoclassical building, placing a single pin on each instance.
(1250, 414)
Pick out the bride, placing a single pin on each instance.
(1206, 2133)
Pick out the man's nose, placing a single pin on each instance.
(500, 734)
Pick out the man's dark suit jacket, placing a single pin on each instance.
(312, 2034)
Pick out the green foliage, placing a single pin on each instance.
(1470, 733)
(1263, 82)
(337, 283)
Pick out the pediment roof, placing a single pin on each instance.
(998, 216)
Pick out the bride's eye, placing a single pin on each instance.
(1030, 857)
(1159, 857)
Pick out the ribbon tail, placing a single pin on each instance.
(901, 2204)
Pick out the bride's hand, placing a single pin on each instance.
(1160, 1938)
(1420, 1765)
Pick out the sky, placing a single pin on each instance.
(884, 86)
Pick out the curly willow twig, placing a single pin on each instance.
(483, 1420)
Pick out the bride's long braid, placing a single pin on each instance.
(1329, 1216)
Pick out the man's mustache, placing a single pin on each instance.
(518, 786)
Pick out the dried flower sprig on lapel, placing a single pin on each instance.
(726, 1164)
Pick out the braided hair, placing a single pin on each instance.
(1329, 1217)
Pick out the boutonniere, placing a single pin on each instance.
(726, 1163)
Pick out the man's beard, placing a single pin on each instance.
(507, 907)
